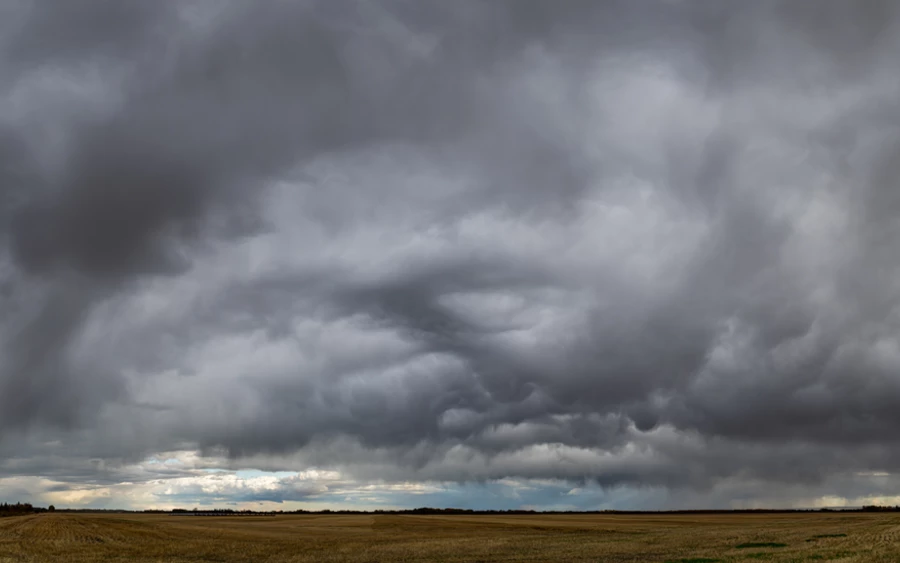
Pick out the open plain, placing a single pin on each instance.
(682, 538)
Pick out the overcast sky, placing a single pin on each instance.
(478, 253)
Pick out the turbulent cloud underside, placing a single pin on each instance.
(568, 254)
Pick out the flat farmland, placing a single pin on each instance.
(845, 537)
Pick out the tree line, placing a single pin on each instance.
(21, 508)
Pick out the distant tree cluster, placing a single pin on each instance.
(18, 509)
(878, 508)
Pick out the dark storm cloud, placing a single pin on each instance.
(643, 243)
(200, 113)
(199, 120)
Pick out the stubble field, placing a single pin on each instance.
(847, 537)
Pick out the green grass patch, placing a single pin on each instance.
(759, 544)
(816, 556)
(820, 536)
(693, 560)
(760, 555)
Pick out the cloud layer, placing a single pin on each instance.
(641, 246)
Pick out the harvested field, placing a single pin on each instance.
(845, 537)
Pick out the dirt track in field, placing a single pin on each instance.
(616, 538)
